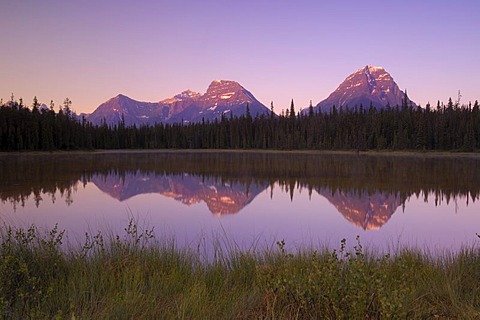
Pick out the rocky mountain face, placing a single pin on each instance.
(223, 97)
(132, 111)
(369, 85)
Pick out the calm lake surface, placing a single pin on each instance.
(249, 199)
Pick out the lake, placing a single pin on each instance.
(249, 199)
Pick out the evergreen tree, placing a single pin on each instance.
(35, 103)
(67, 107)
(292, 110)
(247, 112)
(310, 110)
(405, 100)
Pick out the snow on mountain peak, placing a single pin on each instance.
(187, 94)
(223, 86)
(370, 78)
(223, 82)
(373, 69)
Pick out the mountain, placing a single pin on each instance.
(220, 198)
(369, 85)
(367, 211)
(222, 97)
(112, 111)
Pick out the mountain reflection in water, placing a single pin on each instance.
(367, 211)
(366, 190)
(221, 198)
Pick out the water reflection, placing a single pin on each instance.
(221, 198)
(366, 190)
(367, 211)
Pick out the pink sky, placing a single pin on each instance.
(91, 51)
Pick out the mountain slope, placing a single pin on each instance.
(222, 97)
(369, 85)
(120, 106)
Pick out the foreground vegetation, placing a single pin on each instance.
(448, 127)
(136, 276)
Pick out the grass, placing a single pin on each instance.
(134, 276)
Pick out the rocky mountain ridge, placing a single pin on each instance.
(223, 97)
(368, 86)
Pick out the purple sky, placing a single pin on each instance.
(92, 50)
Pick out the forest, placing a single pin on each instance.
(446, 127)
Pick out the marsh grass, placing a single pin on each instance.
(133, 275)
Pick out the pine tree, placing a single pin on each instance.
(67, 104)
(247, 112)
(292, 110)
(35, 103)
(310, 110)
(450, 104)
(405, 99)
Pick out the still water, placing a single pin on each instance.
(249, 199)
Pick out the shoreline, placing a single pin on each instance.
(372, 153)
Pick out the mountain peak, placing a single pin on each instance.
(370, 85)
(187, 94)
(223, 81)
(224, 85)
(371, 69)
(223, 90)
(119, 98)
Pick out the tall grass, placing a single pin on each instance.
(136, 276)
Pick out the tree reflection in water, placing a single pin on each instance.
(365, 189)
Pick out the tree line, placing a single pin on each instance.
(449, 127)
